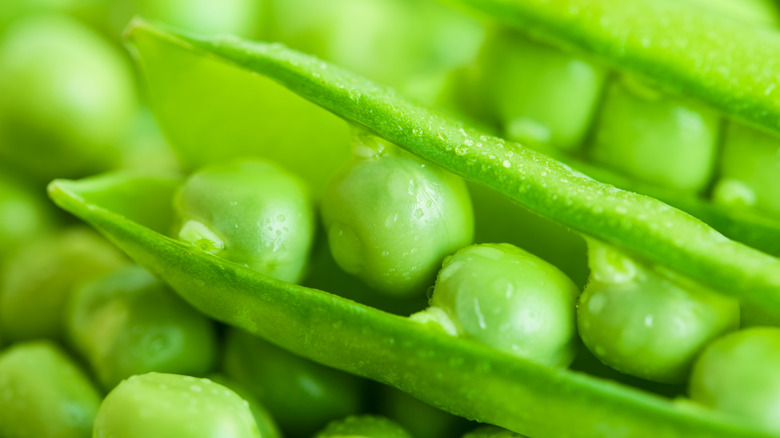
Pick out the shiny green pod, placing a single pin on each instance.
(250, 212)
(129, 323)
(391, 217)
(158, 405)
(44, 393)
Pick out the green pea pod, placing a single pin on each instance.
(678, 46)
(158, 405)
(491, 432)
(130, 323)
(366, 426)
(462, 377)
(301, 395)
(44, 393)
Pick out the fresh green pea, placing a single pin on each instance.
(539, 94)
(265, 423)
(68, 97)
(171, 405)
(44, 394)
(38, 279)
(738, 374)
(420, 419)
(234, 17)
(647, 324)
(23, 215)
(364, 426)
(250, 212)
(749, 170)
(130, 323)
(492, 432)
(656, 138)
(504, 297)
(391, 217)
(300, 395)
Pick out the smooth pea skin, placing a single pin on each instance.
(539, 94)
(68, 97)
(44, 394)
(301, 395)
(130, 323)
(158, 405)
(250, 212)
(38, 279)
(645, 324)
(364, 426)
(738, 374)
(391, 217)
(23, 215)
(509, 299)
(654, 137)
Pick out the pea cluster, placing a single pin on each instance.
(592, 252)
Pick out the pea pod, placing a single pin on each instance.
(712, 58)
(367, 426)
(462, 377)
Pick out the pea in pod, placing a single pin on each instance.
(462, 377)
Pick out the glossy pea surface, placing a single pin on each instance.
(391, 217)
(365, 426)
(130, 323)
(647, 325)
(44, 394)
(656, 138)
(739, 374)
(511, 300)
(157, 405)
(251, 212)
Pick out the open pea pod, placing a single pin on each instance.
(678, 45)
(457, 375)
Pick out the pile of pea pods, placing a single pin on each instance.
(389, 218)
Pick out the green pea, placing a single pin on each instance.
(539, 94)
(656, 138)
(511, 300)
(749, 175)
(37, 280)
(171, 405)
(738, 374)
(300, 395)
(23, 215)
(364, 426)
(644, 321)
(234, 17)
(44, 394)
(265, 423)
(68, 97)
(130, 323)
(419, 418)
(391, 217)
(250, 212)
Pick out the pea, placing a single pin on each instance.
(250, 212)
(68, 97)
(235, 17)
(39, 278)
(644, 323)
(656, 138)
(492, 432)
(130, 323)
(43, 393)
(171, 405)
(391, 218)
(366, 426)
(301, 395)
(539, 94)
(23, 214)
(738, 374)
(504, 297)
